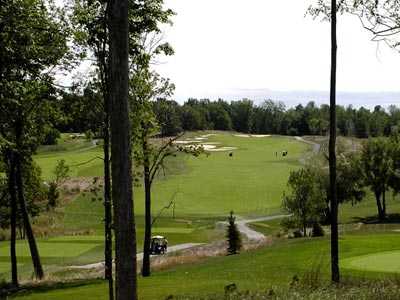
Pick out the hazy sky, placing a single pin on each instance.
(226, 45)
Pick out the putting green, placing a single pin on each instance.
(388, 261)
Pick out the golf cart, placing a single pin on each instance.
(158, 245)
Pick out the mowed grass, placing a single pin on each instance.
(250, 182)
(377, 262)
(256, 270)
(205, 189)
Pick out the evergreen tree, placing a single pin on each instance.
(233, 236)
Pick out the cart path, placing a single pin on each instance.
(315, 149)
(316, 146)
(249, 233)
(139, 256)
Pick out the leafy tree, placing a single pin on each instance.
(33, 41)
(305, 202)
(242, 113)
(61, 174)
(167, 114)
(377, 167)
(233, 236)
(350, 181)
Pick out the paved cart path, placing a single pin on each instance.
(242, 225)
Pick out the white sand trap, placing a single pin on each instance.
(200, 138)
(253, 135)
(186, 142)
(208, 135)
(212, 143)
(242, 135)
(222, 149)
(209, 147)
(260, 135)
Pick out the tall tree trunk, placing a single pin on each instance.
(379, 206)
(384, 204)
(121, 163)
(332, 152)
(13, 218)
(27, 224)
(147, 189)
(108, 255)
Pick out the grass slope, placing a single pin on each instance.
(257, 270)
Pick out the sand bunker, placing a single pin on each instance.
(208, 135)
(252, 135)
(260, 135)
(222, 149)
(186, 142)
(200, 141)
(242, 135)
(209, 147)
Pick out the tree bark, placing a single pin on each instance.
(147, 188)
(332, 151)
(121, 163)
(108, 255)
(27, 224)
(13, 219)
(381, 216)
(384, 204)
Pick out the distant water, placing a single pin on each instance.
(292, 98)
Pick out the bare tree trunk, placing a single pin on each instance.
(381, 215)
(332, 152)
(13, 218)
(147, 189)
(384, 204)
(108, 255)
(121, 163)
(27, 224)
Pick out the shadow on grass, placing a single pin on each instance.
(390, 219)
(9, 291)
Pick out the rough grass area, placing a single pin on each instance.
(258, 270)
(365, 290)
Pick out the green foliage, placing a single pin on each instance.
(52, 195)
(377, 168)
(305, 202)
(317, 230)
(52, 134)
(61, 174)
(233, 236)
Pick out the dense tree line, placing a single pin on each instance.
(270, 117)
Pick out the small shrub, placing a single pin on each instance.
(89, 135)
(317, 230)
(4, 234)
(51, 137)
(52, 195)
(297, 234)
